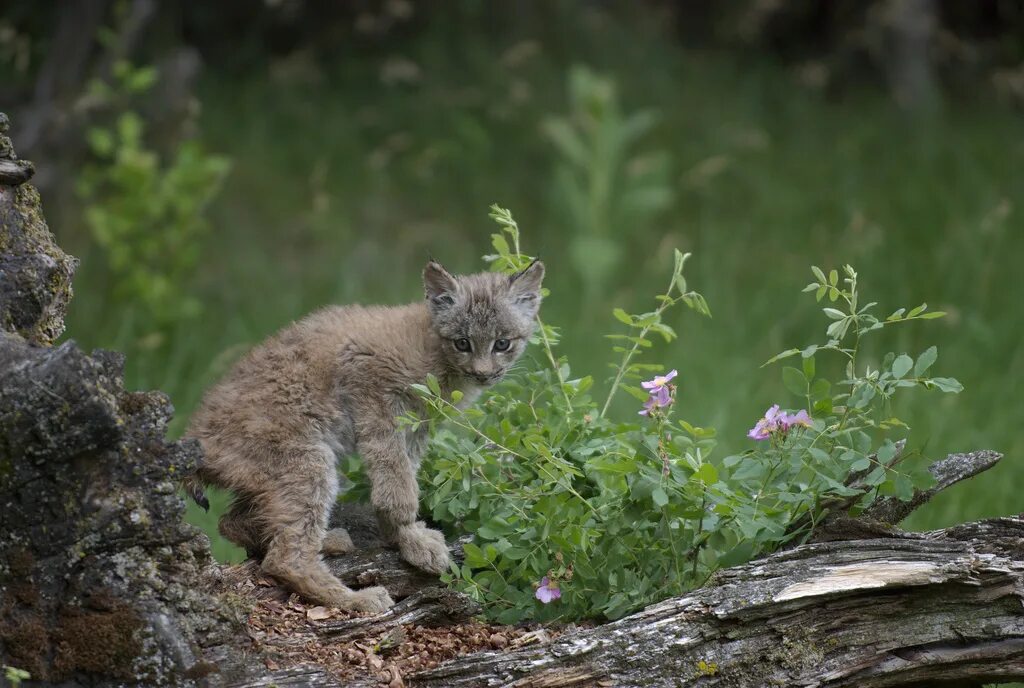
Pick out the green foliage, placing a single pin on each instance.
(147, 213)
(619, 513)
(769, 177)
(602, 186)
(15, 676)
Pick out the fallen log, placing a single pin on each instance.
(938, 608)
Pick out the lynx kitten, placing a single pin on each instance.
(332, 384)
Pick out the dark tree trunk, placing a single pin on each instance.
(101, 580)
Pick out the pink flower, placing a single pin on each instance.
(800, 418)
(763, 429)
(659, 381)
(778, 421)
(548, 590)
(660, 392)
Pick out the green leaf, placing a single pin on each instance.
(932, 315)
(475, 557)
(861, 464)
(623, 317)
(837, 330)
(809, 367)
(820, 389)
(833, 277)
(892, 422)
(887, 452)
(433, 385)
(794, 381)
(141, 79)
(636, 392)
(904, 487)
(947, 384)
(510, 616)
(659, 497)
(861, 396)
(917, 311)
(678, 278)
(925, 361)
(666, 332)
(778, 357)
(697, 302)
(500, 245)
(901, 366)
(834, 314)
(101, 141)
(819, 274)
(708, 474)
(819, 455)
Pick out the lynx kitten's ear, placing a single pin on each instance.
(439, 285)
(524, 288)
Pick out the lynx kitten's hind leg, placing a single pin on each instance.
(239, 525)
(296, 563)
(296, 515)
(337, 541)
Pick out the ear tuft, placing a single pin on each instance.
(439, 286)
(524, 287)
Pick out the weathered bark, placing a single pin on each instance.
(922, 609)
(101, 581)
(35, 275)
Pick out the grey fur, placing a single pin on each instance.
(332, 384)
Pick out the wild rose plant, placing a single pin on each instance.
(577, 512)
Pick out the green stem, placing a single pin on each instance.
(632, 351)
(554, 363)
(540, 325)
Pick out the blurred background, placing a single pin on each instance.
(224, 168)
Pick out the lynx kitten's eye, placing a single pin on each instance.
(501, 344)
(462, 344)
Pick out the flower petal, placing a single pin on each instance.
(761, 431)
(800, 418)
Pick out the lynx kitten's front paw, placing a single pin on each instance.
(371, 600)
(423, 548)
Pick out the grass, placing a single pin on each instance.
(343, 185)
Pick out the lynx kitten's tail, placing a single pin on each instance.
(195, 489)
